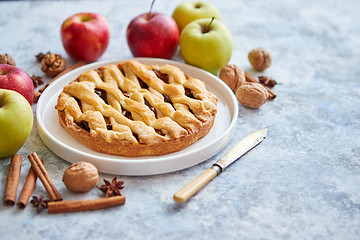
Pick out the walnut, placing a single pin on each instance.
(7, 59)
(51, 64)
(260, 59)
(233, 76)
(80, 177)
(252, 95)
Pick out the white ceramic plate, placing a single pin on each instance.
(68, 148)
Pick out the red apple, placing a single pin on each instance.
(85, 36)
(153, 35)
(16, 79)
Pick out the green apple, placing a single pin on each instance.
(207, 44)
(16, 121)
(189, 11)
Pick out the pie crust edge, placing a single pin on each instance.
(98, 144)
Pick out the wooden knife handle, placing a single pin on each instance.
(194, 186)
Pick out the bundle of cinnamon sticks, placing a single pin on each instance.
(56, 205)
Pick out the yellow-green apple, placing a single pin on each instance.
(189, 11)
(14, 78)
(153, 35)
(16, 121)
(85, 36)
(206, 43)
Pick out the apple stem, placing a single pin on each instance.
(207, 29)
(151, 6)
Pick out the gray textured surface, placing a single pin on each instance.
(302, 182)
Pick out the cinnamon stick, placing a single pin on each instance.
(28, 188)
(12, 181)
(84, 205)
(72, 67)
(44, 177)
(250, 78)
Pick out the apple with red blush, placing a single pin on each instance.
(153, 35)
(85, 36)
(16, 79)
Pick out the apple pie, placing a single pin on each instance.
(131, 109)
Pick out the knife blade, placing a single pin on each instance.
(234, 154)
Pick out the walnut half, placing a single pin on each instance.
(51, 64)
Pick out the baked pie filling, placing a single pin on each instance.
(131, 109)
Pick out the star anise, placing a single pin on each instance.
(40, 56)
(112, 188)
(267, 81)
(39, 203)
(37, 80)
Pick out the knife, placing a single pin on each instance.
(235, 153)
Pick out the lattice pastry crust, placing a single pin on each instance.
(131, 109)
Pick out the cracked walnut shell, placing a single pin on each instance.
(260, 59)
(80, 177)
(233, 76)
(252, 95)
